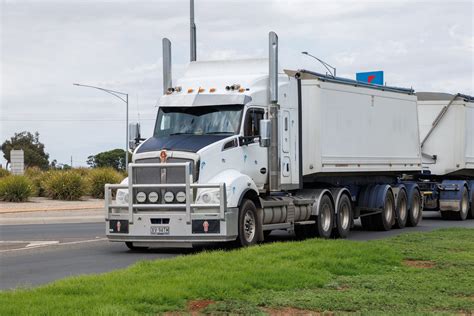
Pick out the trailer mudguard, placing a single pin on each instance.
(373, 196)
(450, 194)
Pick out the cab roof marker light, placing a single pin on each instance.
(190, 90)
(178, 89)
(227, 88)
(201, 90)
(212, 90)
(241, 90)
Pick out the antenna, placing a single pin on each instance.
(325, 64)
(193, 31)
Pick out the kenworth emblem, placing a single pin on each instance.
(163, 156)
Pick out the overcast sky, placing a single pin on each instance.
(48, 45)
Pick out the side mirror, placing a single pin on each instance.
(265, 133)
(133, 135)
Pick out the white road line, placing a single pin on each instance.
(40, 244)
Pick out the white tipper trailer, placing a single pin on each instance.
(447, 145)
(240, 149)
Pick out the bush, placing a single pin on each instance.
(64, 185)
(35, 175)
(99, 177)
(4, 173)
(15, 188)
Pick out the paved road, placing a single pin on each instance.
(55, 251)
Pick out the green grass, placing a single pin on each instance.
(321, 275)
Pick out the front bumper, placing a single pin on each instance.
(165, 224)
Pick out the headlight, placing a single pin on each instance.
(141, 197)
(210, 196)
(169, 197)
(153, 197)
(122, 196)
(181, 197)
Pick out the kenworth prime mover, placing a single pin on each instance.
(240, 149)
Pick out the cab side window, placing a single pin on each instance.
(252, 122)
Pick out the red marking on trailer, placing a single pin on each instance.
(370, 78)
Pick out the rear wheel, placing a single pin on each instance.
(325, 218)
(385, 220)
(402, 209)
(248, 224)
(471, 213)
(415, 212)
(343, 217)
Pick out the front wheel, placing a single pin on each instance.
(248, 224)
(134, 248)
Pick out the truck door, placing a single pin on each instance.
(255, 157)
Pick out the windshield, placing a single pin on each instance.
(198, 120)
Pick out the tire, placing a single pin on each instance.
(385, 220)
(325, 219)
(401, 209)
(249, 226)
(130, 246)
(415, 213)
(343, 217)
(471, 213)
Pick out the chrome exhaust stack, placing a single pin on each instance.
(167, 80)
(273, 152)
(193, 47)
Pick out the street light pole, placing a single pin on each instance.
(325, 64)
(122, 96)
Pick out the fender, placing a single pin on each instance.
(316, 195)
(236, 183)
(373, 196)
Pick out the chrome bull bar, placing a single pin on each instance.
(189, 205)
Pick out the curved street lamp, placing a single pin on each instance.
(122, 96)
(325, 64)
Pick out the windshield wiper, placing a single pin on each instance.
(209, 133)
(172, 134)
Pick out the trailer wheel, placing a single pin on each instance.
(463, 209)
(343, 217)
(402, 209)
(130, 246)
(415, 213)
(248, 224)
(471, 213)
(384, 220)
(325, 218)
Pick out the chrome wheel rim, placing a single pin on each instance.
(403, 209)
(326, 217)
(464, 202)
(389, 210)
(249, 226)
(416, 207)
(344, 215)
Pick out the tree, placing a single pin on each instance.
(32, 147)
(113, 158)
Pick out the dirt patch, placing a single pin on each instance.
(195, 307)
(422, 264)
(290, 311)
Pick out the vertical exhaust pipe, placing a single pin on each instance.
(273, 152)
(193, 32)
(167, 80)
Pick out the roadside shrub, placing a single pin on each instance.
(35, 175)
(4, 173)
(15, 188)
(64, 185)
(99, 177)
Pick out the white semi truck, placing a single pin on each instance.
(240, 149)
(447, 145)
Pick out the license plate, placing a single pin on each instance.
(159, 230)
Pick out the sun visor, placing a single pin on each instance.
(203, 99)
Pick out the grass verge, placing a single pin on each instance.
(416, 273)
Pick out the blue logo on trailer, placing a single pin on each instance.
(375, 77)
